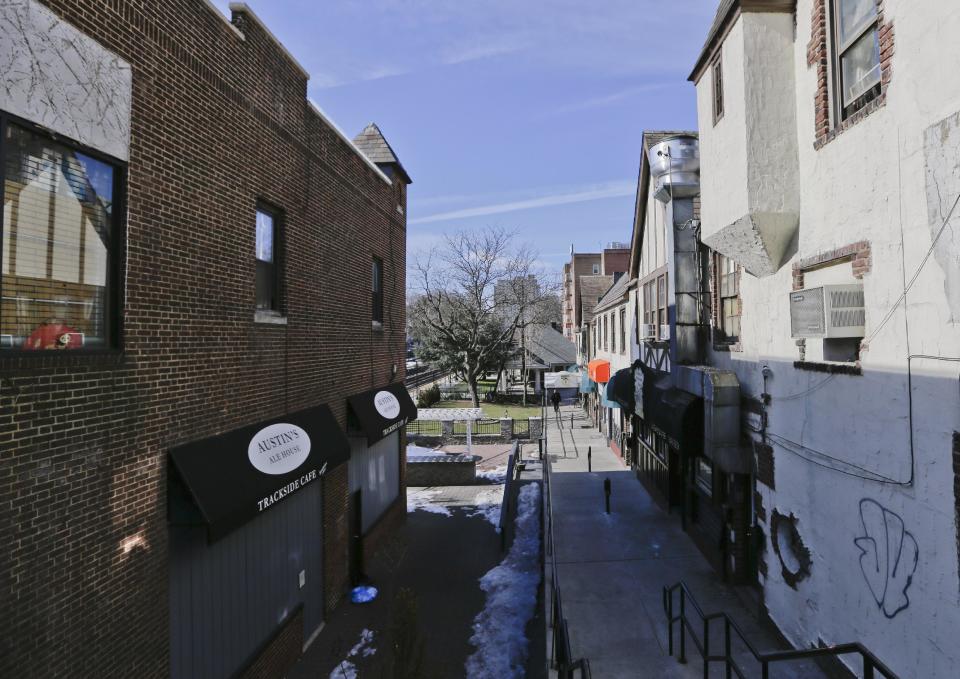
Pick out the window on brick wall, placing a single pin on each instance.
(726, 284)
(377, 288)
(856, 54)
(717, 70)
(60, 241)
(267, 255)
(596, 269)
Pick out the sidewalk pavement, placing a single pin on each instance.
(612, 567)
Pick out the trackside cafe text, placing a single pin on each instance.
(246, 516)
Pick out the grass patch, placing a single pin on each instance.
(496, 410)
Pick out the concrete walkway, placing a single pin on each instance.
(612, 567)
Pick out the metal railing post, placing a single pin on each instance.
(726, 644)
(683, 631)
(765, 670)
(706, 649)
(867, 667)
(669, 602)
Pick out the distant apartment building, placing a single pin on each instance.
(614, 258)
(202, 410)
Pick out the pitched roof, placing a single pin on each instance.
(375, 147)
(592, 288)
(549, 345)
(615, 295)
(727, 12)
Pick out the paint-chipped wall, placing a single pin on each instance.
(862, 460)
(941, 151)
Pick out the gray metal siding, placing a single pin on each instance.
(375, 470)
(228, 598)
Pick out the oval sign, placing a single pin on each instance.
(279, 448)
(387, 405)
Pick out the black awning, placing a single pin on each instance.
(235, 476)
(620, 389)
(675, 413)
(380, 412)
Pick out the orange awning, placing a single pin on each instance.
(599, 370)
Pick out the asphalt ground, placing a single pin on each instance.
(439, 559)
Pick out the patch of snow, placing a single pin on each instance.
(498, 475)
(423, 500)
(417, 451)
(363, 648)
(488, 505)
(511, 587)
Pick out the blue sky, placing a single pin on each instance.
(525, 114)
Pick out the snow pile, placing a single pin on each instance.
(511, 587)
(363, 648)
(498, 475)
(488, 504)
(424, 500)
(420, 451)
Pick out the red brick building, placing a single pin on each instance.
(193, 256)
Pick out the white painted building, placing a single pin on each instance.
(613, 335)
(829, 145)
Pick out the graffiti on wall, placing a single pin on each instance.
(888, 556)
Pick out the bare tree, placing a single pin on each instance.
(472, 294)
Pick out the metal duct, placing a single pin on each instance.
(720, 390)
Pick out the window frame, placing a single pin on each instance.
(116, 259)
(278, 259)
(376, 296)
(720, 280)
(623, 330)
(663, 306)
(716, 84)
(840, 111)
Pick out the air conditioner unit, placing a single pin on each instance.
(830, 311)
(664, 332)
(648, 331)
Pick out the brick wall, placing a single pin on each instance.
(858, 254)
(218, 122)
(280, 653)
(818, 55)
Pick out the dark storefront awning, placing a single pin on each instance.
(620, 389)
(677, 414)
(380, 412)
(234, 476)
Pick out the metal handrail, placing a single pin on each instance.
(871, 664)
(561, 654)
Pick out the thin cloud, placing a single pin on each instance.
(614, 98)
(601, 192)
(484, 50)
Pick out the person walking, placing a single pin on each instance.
(555, 399)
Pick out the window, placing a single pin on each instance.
(604, 333)
(856, 64)
(727, 282)
(377, 288)
(60, 243)
(596, 269)
(717, 90)
(663, 330)
(268, 270)
(623, 330)
(650, 307)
